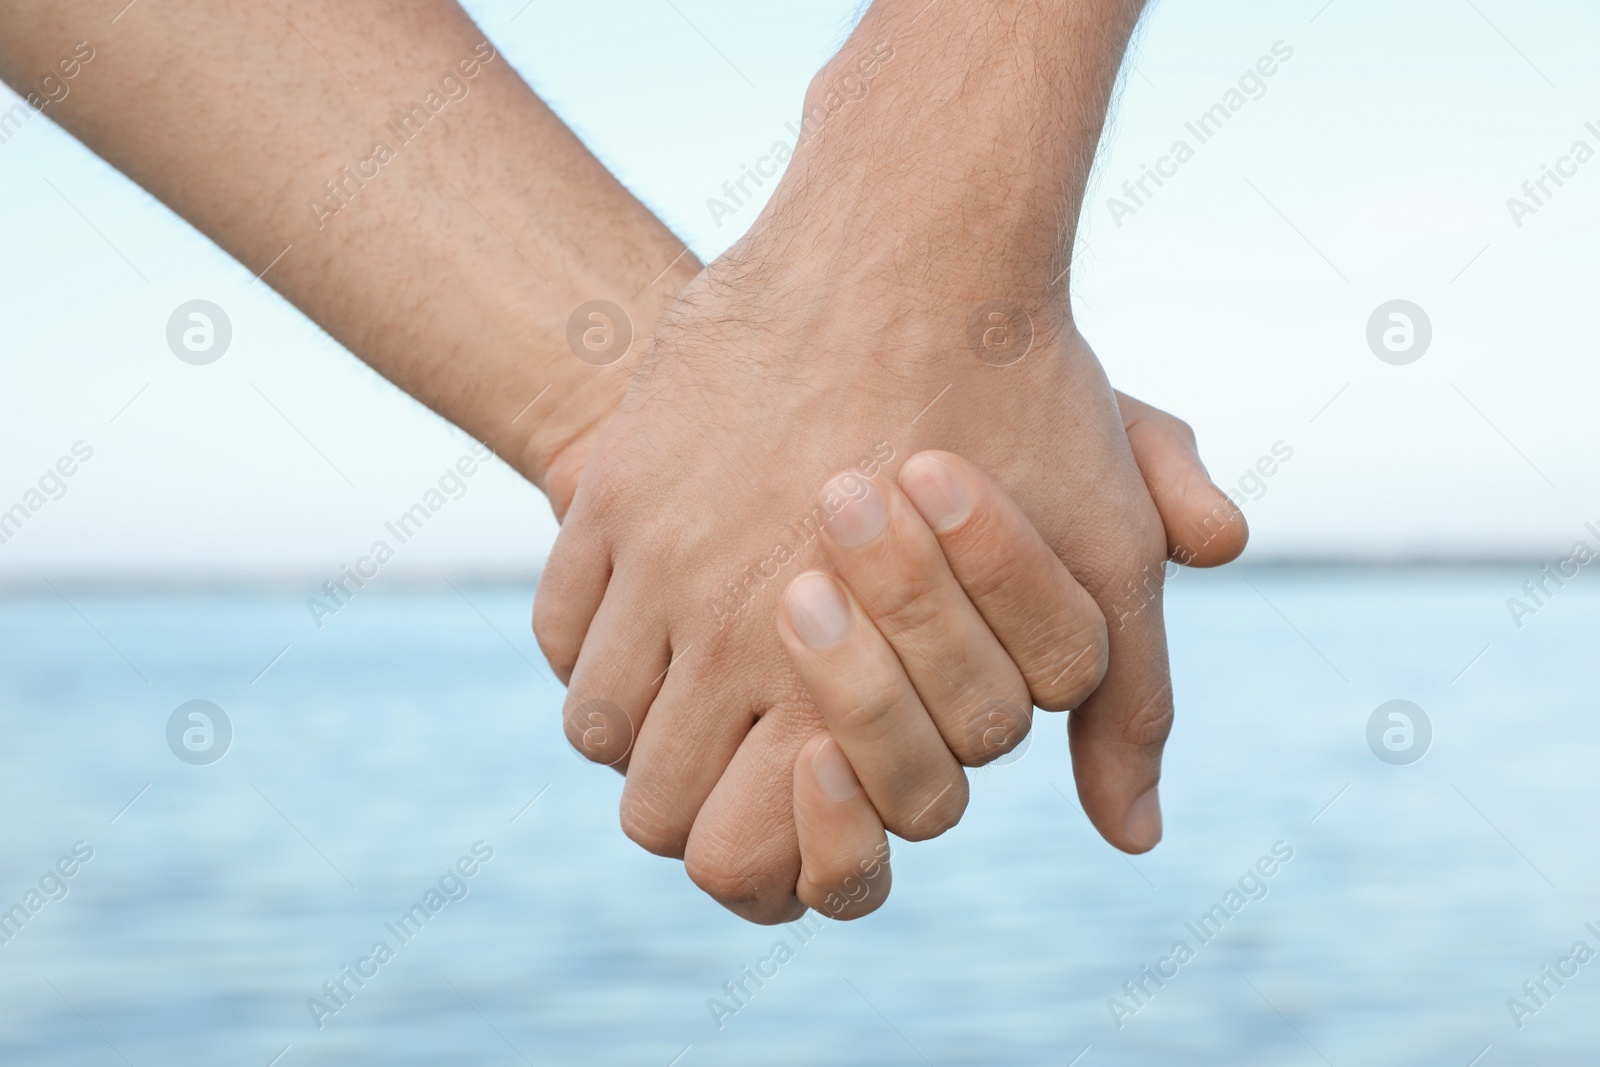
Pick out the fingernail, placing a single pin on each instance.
(1142, 827)
(855, 510)
(817, 611)
(936, 491)
(834, 775)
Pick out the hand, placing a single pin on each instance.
(912, 250)
(948, 620)
(1203, 527)
(979, 577)
(746, 854)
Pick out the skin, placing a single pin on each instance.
(952, 570)
(845, 872)
(829, 333)
(513, 222)
(975, 576)
(517, 225)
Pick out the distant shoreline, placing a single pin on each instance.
(298, 581)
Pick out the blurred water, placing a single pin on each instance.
(376, 752)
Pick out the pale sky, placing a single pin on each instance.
(1374, 164)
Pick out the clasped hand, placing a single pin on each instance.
(1018, 566)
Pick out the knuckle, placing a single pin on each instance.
(597, 729)
(991, 566)
(719, 879)
(751, 895)
(1072, 665)
(994, 728)
(653, 824)
(1139, 580)
(912, 602)
(872, 702)
(938, 812)
(1150, 723)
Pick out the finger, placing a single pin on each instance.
(689, 735)
(1050, 626)
(618, 673)
(871, 708)
(1205, 528)
(844, 853)
(1117, 735)
(892, 564)
(571, 587)
(743, 850)
(1116, 739)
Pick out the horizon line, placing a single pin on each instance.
(156, 579)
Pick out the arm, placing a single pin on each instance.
(431, 213)
(452, 259)
(973, 134)
(904, 289)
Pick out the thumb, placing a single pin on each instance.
(1204, 527)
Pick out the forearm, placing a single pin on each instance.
(446, 246)
(967, 126)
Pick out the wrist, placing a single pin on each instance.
(968, 126)
(587, 349)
